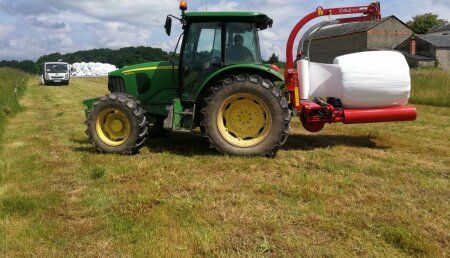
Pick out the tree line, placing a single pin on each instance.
(121, 57)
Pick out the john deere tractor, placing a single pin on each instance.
(218, 84)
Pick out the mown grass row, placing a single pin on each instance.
(430, 87)
(12, 85)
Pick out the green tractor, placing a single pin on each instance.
(219, 84)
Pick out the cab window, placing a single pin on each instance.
(202, 55)
(242, 44)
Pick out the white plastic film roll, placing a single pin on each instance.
(303, 77)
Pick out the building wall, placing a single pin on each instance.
(443, 58)
(424, 48)
(388, 34)
(413, 62)
(325, 50)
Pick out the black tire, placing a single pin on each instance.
(126, 111)
(274, 107)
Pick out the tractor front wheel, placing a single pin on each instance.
(117, 124)
(246, 115)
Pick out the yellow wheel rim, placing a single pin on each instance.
(244, 120)
(112, 127)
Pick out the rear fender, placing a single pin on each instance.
(263, 71)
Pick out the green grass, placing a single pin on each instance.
(349, 190)
(430, 87)
(12, 86)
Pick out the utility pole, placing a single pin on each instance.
(206, 5)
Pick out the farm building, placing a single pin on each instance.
(427, 50)
(432, 49)
(387, 33)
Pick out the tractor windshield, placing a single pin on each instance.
(56, 68)
(242, 44)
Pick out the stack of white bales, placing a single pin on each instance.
(92, 69)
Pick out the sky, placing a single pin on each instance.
(32, 28)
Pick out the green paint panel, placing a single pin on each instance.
(88, 103)
(264, 71)
(153, 83)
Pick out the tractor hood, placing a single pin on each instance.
(160, 65)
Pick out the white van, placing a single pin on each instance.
(56, 73)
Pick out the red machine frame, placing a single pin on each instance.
(312, 114)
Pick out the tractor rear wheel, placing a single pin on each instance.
(117, 124)
(246, 115)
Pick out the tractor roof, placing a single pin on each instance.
(261, 20)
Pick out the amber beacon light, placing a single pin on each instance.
(183, 5)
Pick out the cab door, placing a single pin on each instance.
(202, 55)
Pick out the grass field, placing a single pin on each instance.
(350, 190)
(431, 87)
(12, 86)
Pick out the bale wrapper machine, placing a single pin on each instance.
(314, 114)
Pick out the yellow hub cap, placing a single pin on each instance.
(244, 120)
(112, 127)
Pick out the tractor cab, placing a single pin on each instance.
(214, 40)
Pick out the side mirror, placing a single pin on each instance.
(168, 25)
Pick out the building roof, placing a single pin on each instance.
(441, 41)
(350, 28)
(443, 28)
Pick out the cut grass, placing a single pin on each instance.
(350, 190)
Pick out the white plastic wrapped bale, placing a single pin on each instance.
(374, 79)
(361, 80)
(92, 69)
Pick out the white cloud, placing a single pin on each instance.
(223, 6)
(29, 28)
(6, 29)
(46, 23)
(142, 12)
(119, 34)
